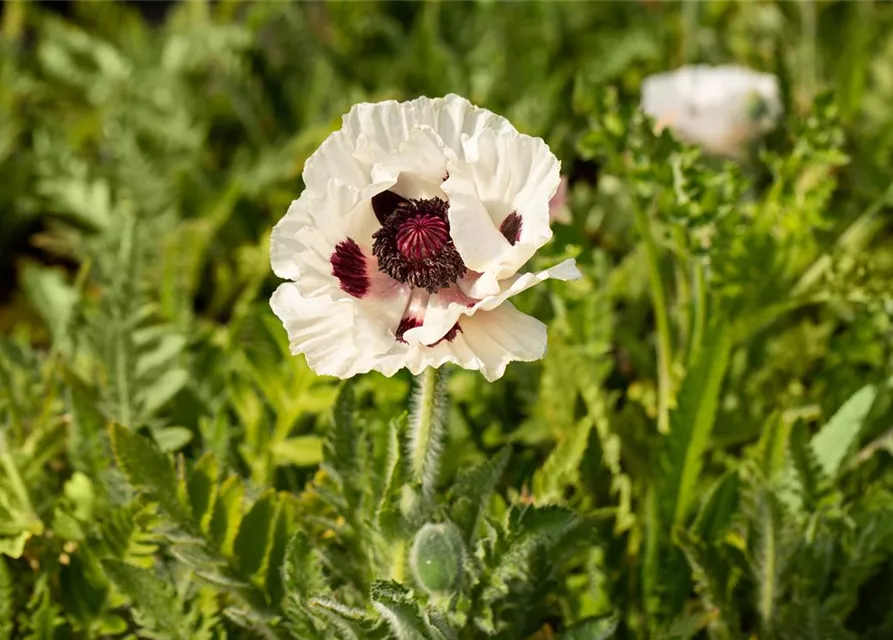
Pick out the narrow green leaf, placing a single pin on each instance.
(52, 296)
(837, 438)
(172, 439)
(166, 350)
(301, 451)
(692, 423)
(159, 393)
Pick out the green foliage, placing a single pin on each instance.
(705, 452)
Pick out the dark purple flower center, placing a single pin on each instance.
(421, 237)
(414, 245)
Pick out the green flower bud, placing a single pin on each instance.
(436, 558)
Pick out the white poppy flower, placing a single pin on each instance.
(719, 108)
(404, 247)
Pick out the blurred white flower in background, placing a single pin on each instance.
(404, 247)
(722, 109)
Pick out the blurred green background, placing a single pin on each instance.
(146, 152)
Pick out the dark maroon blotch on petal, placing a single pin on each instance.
(511, 227)
(405, 325)
(450, 335)
(349, 266)
(409, 322)
(385, 203)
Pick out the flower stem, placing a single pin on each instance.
(426, 428)
(661, 320)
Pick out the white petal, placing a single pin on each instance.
(445, 308)
(303, 241)
(566, 270)
(501, 336)
(418, 164)
(390, 123)
(503, 173)
(335, 159)
(487, 342)
(339, 337)
(284, 246)
(477, 239)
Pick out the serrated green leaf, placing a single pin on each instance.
(711, 583)
(227, 516)
(128, 534)
(43, 615)
(837, 438)
(773, 444)
(201, 487)
(562, 466)
(255, 535)
(393, 603)
(88, 445)
(718, 508)
(301, 567)
(278, 545)
(154, 599)
(149, 471)
(805, 472)
(347, 622)
(472, 491)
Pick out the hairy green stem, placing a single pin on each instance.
(426, 427)
(661, 320)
